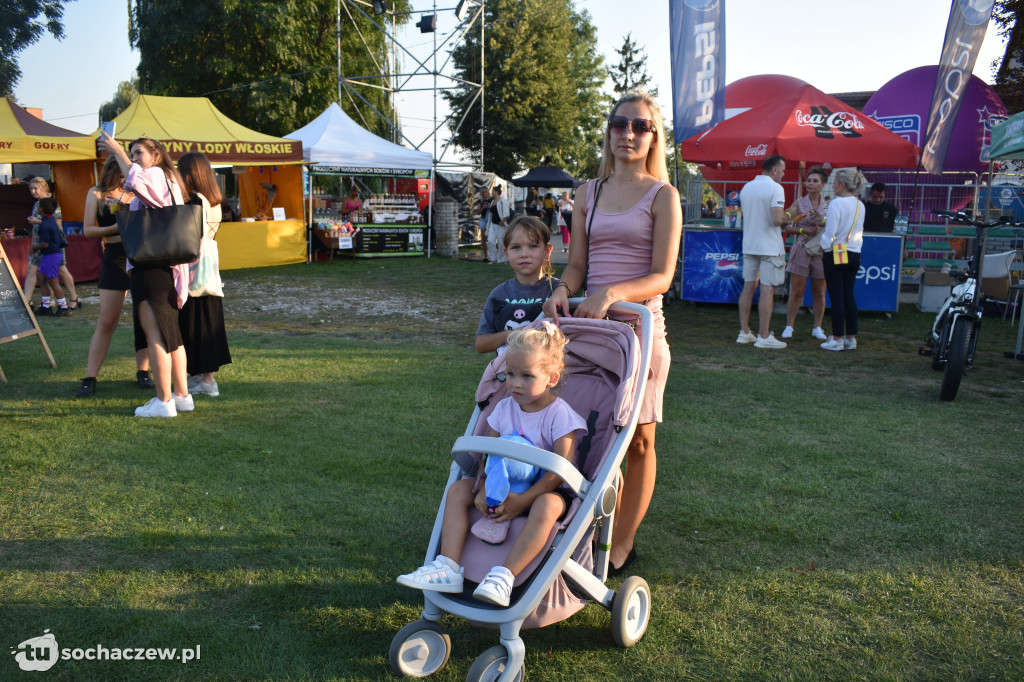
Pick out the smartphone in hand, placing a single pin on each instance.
(108, 128)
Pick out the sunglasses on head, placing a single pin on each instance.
(637, 125)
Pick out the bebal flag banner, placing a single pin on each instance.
(697, 38)
(965, 31)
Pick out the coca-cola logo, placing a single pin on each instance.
(759, 150)
(826, 122)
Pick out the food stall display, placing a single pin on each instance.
(388, 224)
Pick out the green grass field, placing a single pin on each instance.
(817, 516)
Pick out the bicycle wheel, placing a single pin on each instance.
(956, 362)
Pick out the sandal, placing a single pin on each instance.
(77, 301)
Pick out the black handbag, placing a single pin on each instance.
(161, 237)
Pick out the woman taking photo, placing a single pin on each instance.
(157, 293)
(805, 256)
(201, 318)
(844, 225)
(101, 203)
(633, 220)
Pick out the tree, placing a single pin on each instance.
(631, 71)
(126, 92)
(23, 23)
(1009, 74)
(542, 91)
(271, 66)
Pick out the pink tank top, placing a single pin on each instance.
(622, 246)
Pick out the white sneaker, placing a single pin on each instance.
(787, 333)
(157, 408)
(770, 342)
(201, 388)
(437, 576)
(833, 344)
(819, 334)
(496, 586)
(850, 344)
(746, 337)
(184, 403)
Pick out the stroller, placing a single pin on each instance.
(606, 372)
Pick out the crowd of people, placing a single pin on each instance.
(828, 239)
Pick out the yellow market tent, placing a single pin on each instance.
(185, 124)
(27, 139)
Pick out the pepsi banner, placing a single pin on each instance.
(965, 31)
(697, 39)
(713, 269)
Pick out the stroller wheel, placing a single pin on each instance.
(490, 665)
(631, 611)
(419, 649)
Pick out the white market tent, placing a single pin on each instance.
(335, 144)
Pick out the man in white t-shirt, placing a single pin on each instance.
(764, 251)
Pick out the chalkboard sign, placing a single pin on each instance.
(14, 315)
(16, 318)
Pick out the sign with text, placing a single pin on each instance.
(16, 318)
(697, 45)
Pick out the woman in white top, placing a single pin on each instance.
(844, 225)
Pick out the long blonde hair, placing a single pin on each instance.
(655, 165)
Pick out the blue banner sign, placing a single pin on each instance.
(697, 43)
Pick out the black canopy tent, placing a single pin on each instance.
(545, 176)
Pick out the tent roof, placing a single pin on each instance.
(27, 139)
(803, 125)
(1008, 138)
(340, 145)
(545, 176)
(185, 124)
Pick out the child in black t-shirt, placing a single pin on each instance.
(518, 301)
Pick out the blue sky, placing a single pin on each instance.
(833, 49)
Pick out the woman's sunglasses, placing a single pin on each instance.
(637, 125)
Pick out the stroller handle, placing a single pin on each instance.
(521, 452)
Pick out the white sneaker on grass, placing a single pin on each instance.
(787, 333)
(769, 342)
(850, 344)
(496, 586)
(440, 575)
(157, 408)
(819, 334)
(184, 403)
(833, 344)
(746, 337)
(201, 388)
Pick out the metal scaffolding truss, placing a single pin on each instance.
(429, 73)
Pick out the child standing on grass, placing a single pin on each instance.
(518, 301)
(534, 365)
(48, 247)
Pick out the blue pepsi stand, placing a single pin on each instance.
(712, 269)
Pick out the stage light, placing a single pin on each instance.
(427, 24)
(462, 9)
(379, 7)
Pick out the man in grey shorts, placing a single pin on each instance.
(763, 203)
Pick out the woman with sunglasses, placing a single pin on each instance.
(625, 241)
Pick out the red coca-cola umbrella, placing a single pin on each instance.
(803, 125)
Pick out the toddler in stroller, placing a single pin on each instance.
(560, 562)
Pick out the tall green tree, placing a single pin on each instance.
(126, 92)
(1009, 71)
(542, 98)
(631, 71)
(268, 64)
(23, 23)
